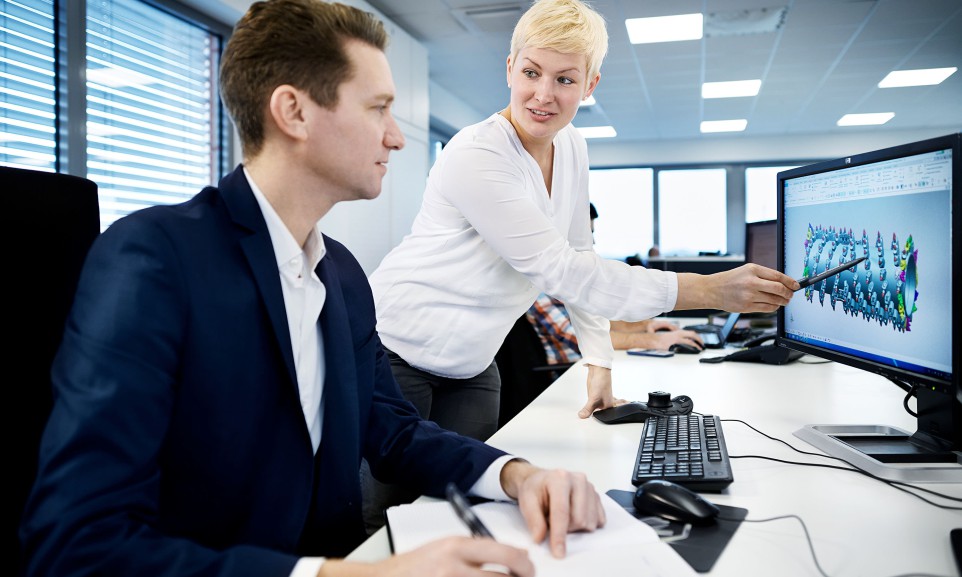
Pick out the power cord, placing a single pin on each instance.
(900, 485)
(808, 537)
(910, 390)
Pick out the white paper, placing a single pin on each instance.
(624, 546)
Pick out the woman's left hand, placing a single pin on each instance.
(599, 392)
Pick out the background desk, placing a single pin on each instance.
(859, 526)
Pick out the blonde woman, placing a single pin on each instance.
(504, 218)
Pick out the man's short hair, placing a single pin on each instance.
(295, 42)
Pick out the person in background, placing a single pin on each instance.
(550, 320)
(220, 377)
(504, 217)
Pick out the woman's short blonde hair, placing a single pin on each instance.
(566, 26)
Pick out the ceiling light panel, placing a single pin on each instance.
(597, 131)
(736, 125)
(731, 89)
(920, 77)
(868, 119)
(665, 28)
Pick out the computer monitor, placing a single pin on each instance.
(760, 242)
(898, 312)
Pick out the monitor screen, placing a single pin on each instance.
(760, 243)
(894, 313)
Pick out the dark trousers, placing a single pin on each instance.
(466, 406)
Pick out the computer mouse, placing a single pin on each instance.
(684, 349)
(673, 502)
(627, 413)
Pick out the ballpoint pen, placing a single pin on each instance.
(463, 509)
(467, 515)
(810, 280)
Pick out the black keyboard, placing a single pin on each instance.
(685, 449)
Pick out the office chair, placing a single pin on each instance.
(48, 223)
(525, 372)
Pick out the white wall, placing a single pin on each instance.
(369, 229)
(451, 113)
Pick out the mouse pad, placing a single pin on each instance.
(699, 546)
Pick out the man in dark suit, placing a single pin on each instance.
(220, 377)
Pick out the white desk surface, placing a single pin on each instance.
(859, 526)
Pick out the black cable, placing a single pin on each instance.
(808, 538)
(901, 486)
(901, 384)
(850, 467)
(905, 401)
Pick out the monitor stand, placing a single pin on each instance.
(886, 452)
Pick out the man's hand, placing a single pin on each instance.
(662, 341)
(746, 289)
(655, 325)
(444, 557)
(599, 392)
(553, 503)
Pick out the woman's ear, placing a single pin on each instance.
(592, 85)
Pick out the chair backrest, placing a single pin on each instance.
(48, 225)
(525, 372)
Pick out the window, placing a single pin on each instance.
(760, 193)
(151, 106)
(624, 200)
(28, 103)
(692, 211)
(154, 132)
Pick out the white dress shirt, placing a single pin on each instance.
(487, 240)
(304, 296)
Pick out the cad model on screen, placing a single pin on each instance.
(870, 292)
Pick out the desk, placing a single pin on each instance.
(859, 527)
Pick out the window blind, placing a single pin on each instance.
(28, 104)
(152, 116)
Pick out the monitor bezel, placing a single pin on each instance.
(951, 141)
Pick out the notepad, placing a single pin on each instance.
(623, 546)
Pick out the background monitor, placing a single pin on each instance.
(898, 312)
(760, 243)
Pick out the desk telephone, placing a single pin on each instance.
(756, 352)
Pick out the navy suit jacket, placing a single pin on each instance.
(177, 444)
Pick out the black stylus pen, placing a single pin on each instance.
(810, 280)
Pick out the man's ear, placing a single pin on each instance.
(286, 110)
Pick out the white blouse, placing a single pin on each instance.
(487, 240)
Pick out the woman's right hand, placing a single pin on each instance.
(451, 556)
(746, 289)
